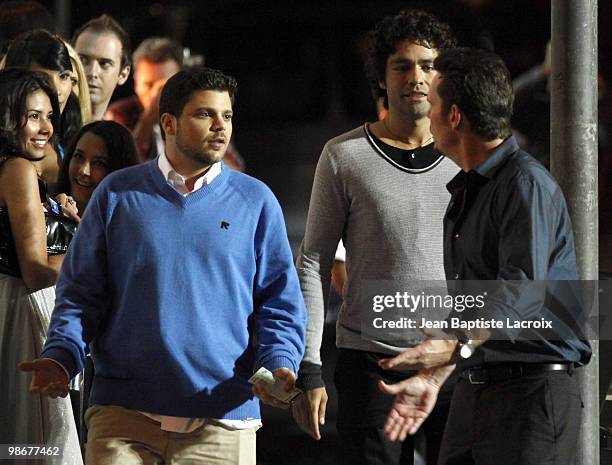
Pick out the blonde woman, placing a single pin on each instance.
(79, 83)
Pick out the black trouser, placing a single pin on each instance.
(531, 420)
(363, 409)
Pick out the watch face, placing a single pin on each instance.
(466, 351)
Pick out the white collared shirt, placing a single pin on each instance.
(177, 181)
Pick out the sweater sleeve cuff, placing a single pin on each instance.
(64, 358)
(280, 361)
(310, 377)
(59, 365)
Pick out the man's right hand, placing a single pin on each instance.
(309, 411)
(415, 398)
(48, 377)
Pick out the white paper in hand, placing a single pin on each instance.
(274, 387)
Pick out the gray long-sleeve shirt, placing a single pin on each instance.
(390, 219)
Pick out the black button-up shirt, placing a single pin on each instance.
(507, 220)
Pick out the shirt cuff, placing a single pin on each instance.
(310, 377)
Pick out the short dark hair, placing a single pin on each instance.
(415, 26)
(478, 82)
(106, 23)
(177, 91)
(120, 147)
(16, 84)
(40, 48)
(158, 50)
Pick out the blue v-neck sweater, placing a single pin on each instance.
(182, 298)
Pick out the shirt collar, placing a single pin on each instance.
(489, 167)
(177, 181)
(486, 169)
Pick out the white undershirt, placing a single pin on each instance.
(177, 181)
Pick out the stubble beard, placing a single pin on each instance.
(408, 110)
(201, 155)
(99, 98)
(416, 111)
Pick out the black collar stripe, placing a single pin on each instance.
(393, 162)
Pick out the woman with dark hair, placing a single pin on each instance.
(98, 149)
(40, 50)
(31, 253)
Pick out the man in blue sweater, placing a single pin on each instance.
(180, 279)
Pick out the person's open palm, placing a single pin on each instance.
(48, 378)
(414, 400)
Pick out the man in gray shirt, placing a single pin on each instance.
(380, 188)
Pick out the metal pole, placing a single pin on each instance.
(574, 165)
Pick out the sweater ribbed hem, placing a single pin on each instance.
(279, 361)
(64, 357)
(229, 400)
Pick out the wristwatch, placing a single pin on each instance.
(465, 346)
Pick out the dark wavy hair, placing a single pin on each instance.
(120, 147)
(478, 82)
(416, 26)
(41, 48)
(16, 84)
(177, 91)
(72, 120)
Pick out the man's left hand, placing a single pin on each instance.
(428, 354)
(287, 377)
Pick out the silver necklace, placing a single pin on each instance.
(396, 137)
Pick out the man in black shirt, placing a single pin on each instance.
(517, 401)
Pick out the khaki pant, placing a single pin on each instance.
(122, 436)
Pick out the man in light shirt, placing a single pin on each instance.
(181, 281)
